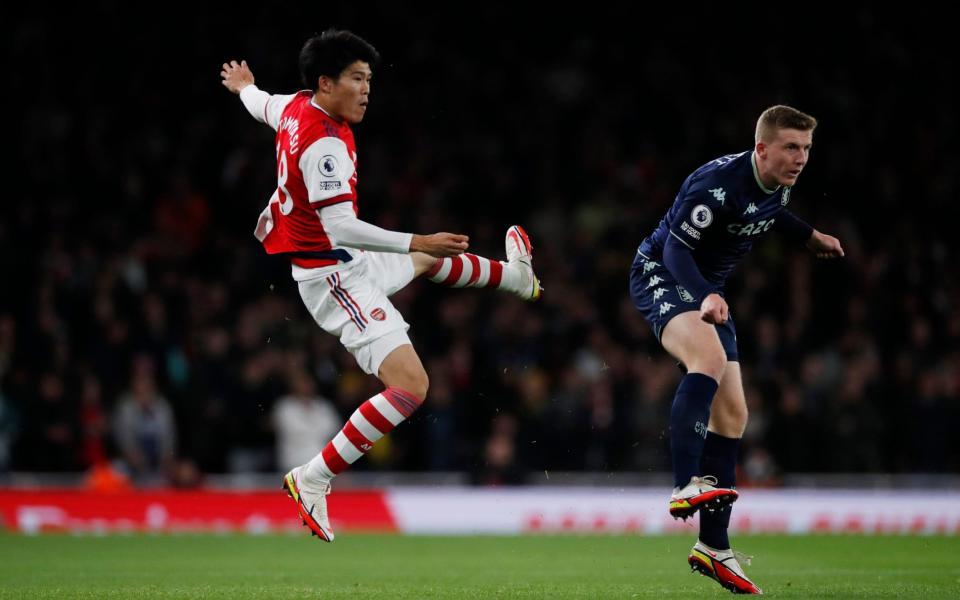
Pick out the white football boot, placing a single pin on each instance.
(311, 503)
(723, 567)
(520, 257)
(701, 492)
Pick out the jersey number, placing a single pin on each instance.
(286, 200)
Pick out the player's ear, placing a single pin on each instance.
(325, 84)
(761, 149)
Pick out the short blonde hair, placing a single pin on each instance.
(780, 117)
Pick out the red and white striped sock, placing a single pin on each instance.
(374, 419)
(470, 270)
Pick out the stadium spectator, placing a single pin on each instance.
(303, 421)
(143, 426)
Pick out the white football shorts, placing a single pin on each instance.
(353, 304)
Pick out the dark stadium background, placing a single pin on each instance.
(133, 181)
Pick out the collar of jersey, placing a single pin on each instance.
(314, 104)
(756, 174)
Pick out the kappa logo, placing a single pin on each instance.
(378, 314)
(365, 447)
(751, 208)
(654, 281)
(658, 292)
(665, 308)
(329, 165)
(650, 265)
(719, 193)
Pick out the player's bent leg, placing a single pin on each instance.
(728, 415)
(696, 345)
(423, 262)
(471, 271)
(712, 556)
(515, 275)
(309, 484)
(723, 566)
(353, 304)
(728, 418)
(403, 369)
(392, 272)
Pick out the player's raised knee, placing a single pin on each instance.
(738, 415)
(419, 385)
(414, 381)
(709, 361)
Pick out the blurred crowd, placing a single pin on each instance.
(142, 325)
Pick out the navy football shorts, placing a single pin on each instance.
(659, 297)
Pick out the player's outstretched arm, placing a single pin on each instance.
(824, 246)
(236, 76)
(345, 229)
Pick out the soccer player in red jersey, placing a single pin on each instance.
(346, 268)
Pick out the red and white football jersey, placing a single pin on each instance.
(316, 167)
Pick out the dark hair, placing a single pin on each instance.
(332, 51)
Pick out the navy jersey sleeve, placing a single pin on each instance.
(792, 226)
(678, 259)
(695, 210)
(698, 208)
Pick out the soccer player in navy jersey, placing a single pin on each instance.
(677, 282)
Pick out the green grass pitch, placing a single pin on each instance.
(385, 566)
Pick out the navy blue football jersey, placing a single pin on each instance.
(721, 210)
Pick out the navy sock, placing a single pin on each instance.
(688, 424)
(719, 460)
